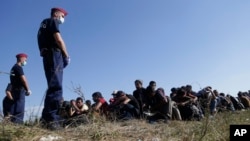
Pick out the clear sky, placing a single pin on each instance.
(114, 42)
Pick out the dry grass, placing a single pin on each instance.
(215, 129)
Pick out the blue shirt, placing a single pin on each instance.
(15, 77)
(45, 36)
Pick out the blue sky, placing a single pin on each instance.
(114, 42)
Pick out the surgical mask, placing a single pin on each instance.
(60, 20)
(23, 63)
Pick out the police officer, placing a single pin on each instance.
(55, 59)
(19, 88)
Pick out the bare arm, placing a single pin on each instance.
(185, 102)
(194, 98)
(119, 100)
(61, 44)
(213, 96)
(73, 103)
(83, 109)
(8, 94)
(126, 101)
(97, 106)
(71, 111)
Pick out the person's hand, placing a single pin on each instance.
(73, 102)
(27, 93)
(10, 98)
(66, 61)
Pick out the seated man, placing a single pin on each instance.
(140, 95)
(158, 104)
(100, 106)
(204, 96)
(64, 110)
(125, 105)
(215, 101)
(78, 107)
(186, 106)
(77, 113)
(244, 100)
(225, 103)
(89, 104)
(237, 104)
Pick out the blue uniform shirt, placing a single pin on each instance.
(45, 34)
(15, 77)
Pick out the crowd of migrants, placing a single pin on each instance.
(150, 103)
(153, 105)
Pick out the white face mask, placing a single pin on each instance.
(60, 20)
(24, 63)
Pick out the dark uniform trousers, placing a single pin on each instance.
(7, 106)
(53, 67)
(18, 105)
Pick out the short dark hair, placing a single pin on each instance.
(152, 83)
(138, 81)
(79, 98)
(97, 94)
(88, 102)
(173, 89)
(222, 94)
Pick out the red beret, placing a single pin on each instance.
(21, 55)
(59, 9)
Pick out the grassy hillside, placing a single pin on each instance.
(209, 129)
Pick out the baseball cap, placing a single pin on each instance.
(114, 92)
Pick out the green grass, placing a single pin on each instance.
(209, 129)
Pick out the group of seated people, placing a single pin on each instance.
(152, 104)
